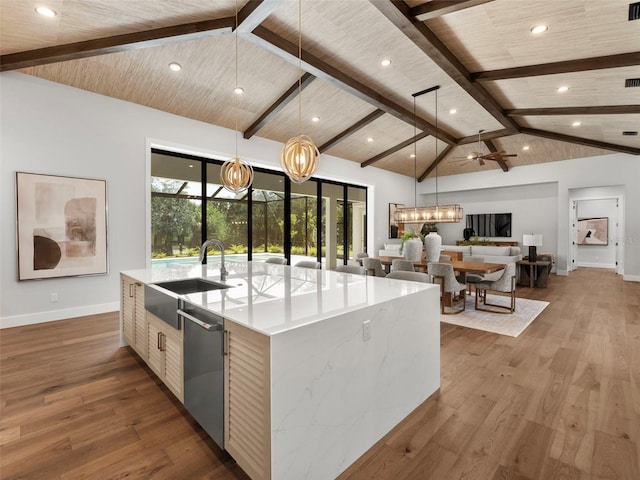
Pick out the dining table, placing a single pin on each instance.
(459, 266)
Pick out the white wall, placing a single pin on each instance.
(533, 210)
(603, 256)
(54, 129)
(618, 171)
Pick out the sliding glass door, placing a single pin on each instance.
(316, 220)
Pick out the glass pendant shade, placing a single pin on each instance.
(299, 158)
(236, 175)
(432, 214)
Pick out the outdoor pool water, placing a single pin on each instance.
(215, 259)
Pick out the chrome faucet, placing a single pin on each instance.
(203, 254)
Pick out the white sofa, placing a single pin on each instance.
(390, 250)
(491, 254)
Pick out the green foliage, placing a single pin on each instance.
(275, 248)
(238, 248)
(408, 234)
(158, 254)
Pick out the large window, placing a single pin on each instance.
(314, 220)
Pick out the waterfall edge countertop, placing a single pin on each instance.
(273, 299)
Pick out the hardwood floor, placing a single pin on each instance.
(561, 401)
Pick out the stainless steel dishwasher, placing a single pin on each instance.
(204, 368)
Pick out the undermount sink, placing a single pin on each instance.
(191, 285)
(165, 305)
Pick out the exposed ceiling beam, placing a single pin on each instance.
(486, 136)
(437, 8)
(399, 14)
(291, 93)
(117, 43)
(580, 141)
(314, 65)
(394, 149)
(436, 162)
(254, 13)
(351, 130)
(598, 110)
(493, 149)
(569, 66)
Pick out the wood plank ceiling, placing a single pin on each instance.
(494, 72)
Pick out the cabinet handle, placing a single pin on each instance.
(225, 346)
(164, 342)
(159, 333)
(131, 291)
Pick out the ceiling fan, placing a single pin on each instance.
(481, 157)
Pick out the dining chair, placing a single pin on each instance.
(276, 260)
(309, 264)
(362, 255)
(399, 264)
(374, 267)
(444, 258)
(411, 276)
(505, 284)
(451, 291)
(357, 269)
(471, 278)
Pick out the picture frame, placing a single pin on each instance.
(593, 231)
(394, 228)
(61, 226)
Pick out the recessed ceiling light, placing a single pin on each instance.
(539, 29)
(190, 165)
(525, 148)
(176, 67)
(469, 157)
(386, 62)
(413, 155)
(238, 90)
(46, 12)
(315, 119)
(576, 124)
(370, 139)
(563, 89)
(453, 111)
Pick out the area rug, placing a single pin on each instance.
(504, 324)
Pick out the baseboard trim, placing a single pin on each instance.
(54, 315)
(631, 278)
(596, 265)
(563, 273)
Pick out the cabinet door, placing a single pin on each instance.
(247, 400)
(173, 373)
(155, 356)
(128, 302)
(140, 323)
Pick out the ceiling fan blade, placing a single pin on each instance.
(481, 161)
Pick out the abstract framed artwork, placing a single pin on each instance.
(61, 226)
(593, 231)
(394, 228)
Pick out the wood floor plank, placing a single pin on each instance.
(561, 401)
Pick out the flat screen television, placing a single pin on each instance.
(490, 224)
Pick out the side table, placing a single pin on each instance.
(534, 274)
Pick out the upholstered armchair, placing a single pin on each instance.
(309, 264)
(401, 265)
(357, 269)
(276, 260)
(411, 276)
(505, 284)
(452, 292)
(373, 266)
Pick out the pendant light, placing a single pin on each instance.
(430, 214)
(236, 175)
(299, 155)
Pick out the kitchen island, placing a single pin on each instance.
(319, 365)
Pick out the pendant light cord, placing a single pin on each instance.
(236, 81)
(299, 67)
(415, 157)
(436, 159)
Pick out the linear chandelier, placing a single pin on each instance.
(430, 214)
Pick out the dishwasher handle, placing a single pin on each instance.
(207, 326)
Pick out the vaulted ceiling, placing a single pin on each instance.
(498, 76)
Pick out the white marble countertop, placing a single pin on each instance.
(272, 299)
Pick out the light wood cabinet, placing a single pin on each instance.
(165, 354)
(134, 321)
(248, 399)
